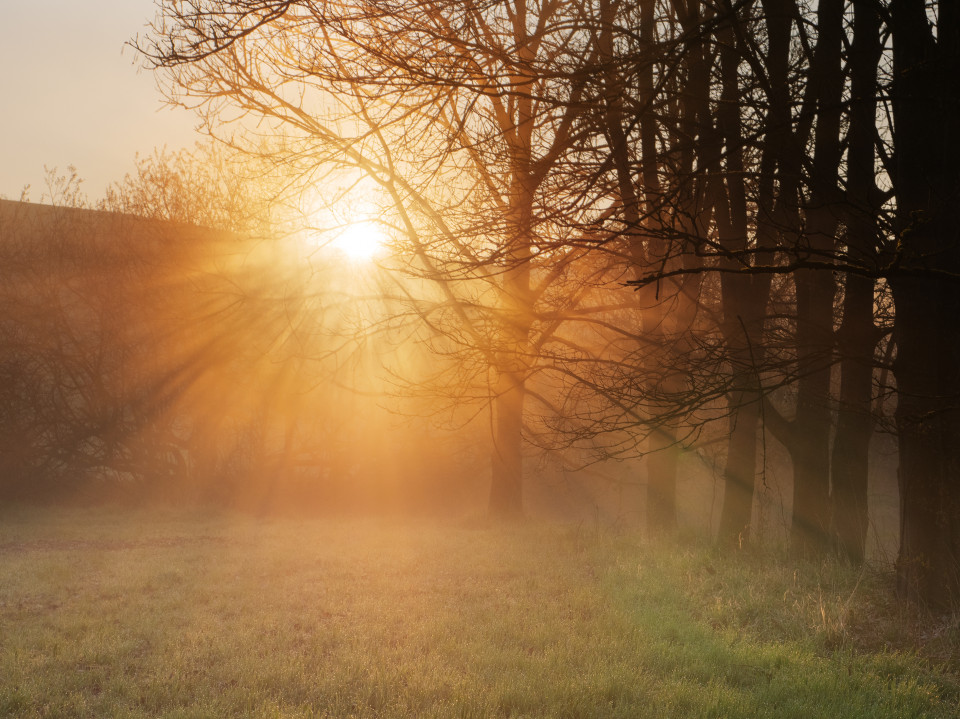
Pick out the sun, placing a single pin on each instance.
(360, 242)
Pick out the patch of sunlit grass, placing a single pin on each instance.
(106, 614)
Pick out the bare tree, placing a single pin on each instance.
(923, 277)
(459, 115)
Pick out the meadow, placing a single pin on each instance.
(109, 613)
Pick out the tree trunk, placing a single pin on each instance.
(744, 298)
(640, 199)
(810, 445)
(856, 339)
(506, 501)
(512, 368)
(815, 289)
(926, 180)
(857, 336)
(928, 565)
(740, 473)
(662, 483)
(517, 302)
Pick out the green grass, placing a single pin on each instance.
(147, 615)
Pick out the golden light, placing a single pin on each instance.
(360, 242)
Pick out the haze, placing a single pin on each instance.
(72, 94)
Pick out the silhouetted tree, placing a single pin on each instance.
(724, 158)
(857, 335)
(923, 270)
(462, 155)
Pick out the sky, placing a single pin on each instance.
(71, 94)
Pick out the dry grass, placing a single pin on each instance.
(118, 614)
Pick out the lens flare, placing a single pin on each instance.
(360, 242)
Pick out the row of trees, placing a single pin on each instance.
(773, 176)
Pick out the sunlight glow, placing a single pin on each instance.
(360, 242)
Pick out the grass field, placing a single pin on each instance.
(105, 613)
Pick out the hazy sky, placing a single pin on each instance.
(70, 93)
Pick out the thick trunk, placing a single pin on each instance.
(662, 482)
(517, 302)
(810, 526)
(810, 446)
(856, 339)
(857, 336)
(506, 499)
(745, 297)
(740, 472)
(662, 457)
(928, 565)
(718, 198)
(512, 369)
(926, 101)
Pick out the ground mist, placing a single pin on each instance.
(118, 613)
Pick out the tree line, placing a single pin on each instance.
(618, 229)
(774, 177)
